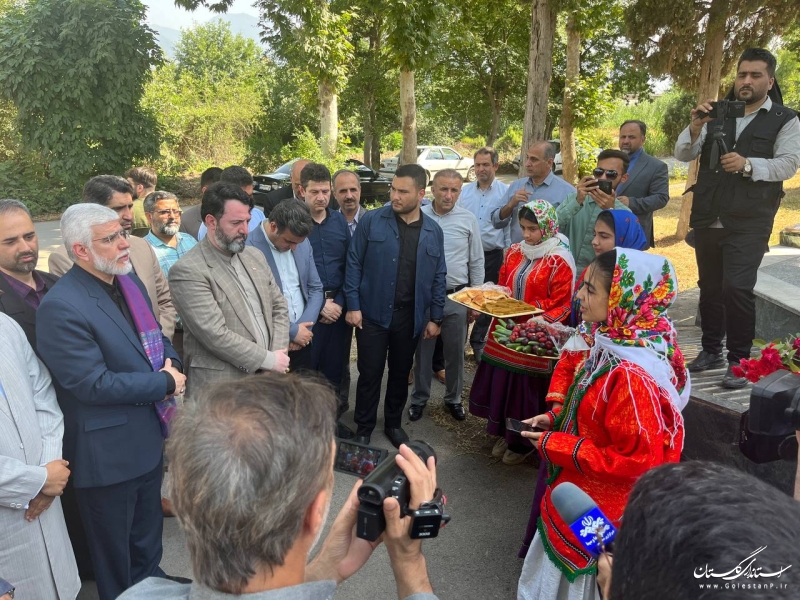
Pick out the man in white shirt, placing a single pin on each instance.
(283, 239)
(463, 252)
(482, 197)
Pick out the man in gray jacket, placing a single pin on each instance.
(252, 508)
(647, 188)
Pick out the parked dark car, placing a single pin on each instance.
(374, 186)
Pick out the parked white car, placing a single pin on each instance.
(434, 159)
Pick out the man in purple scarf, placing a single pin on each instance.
(115, 376)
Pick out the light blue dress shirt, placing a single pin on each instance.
(482, 203)
(553, 189)
(290, 281)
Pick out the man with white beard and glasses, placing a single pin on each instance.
(235, 318)
(115, 374)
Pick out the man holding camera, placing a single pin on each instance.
(250, 529)
(743, 162)
(596, 193)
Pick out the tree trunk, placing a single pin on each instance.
(569, 158)
(540, 72)
(408, 111)
(376, 148)
(494, 130)
(710, 77)
(328, 118)
(369, 130)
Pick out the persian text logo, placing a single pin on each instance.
(593, 526)
(746, 569)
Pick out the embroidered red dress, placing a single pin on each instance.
(620, 437)
(504, 385)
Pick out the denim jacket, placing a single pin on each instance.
(371, 271)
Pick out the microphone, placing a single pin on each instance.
(583, 516)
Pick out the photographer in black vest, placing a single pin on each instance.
(743, 163)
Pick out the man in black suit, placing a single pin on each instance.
(22, 286)
(647, 188)
(90, 331)
(287, 192)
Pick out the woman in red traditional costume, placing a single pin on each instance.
(622, 390)
(540, 271)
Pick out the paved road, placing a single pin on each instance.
(49, 235)
(474, 557)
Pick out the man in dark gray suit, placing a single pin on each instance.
(647, 188)
(283, 239)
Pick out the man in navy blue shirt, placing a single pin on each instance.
(395, 274)
(329, 239)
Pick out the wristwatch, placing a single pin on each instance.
(747, 171)
(437, 322)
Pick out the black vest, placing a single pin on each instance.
(742, 205)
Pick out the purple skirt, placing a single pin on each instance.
(498, 394)
(536, 509)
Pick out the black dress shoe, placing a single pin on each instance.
(396, 436)
(343, 431)
(415, 412)
(731, 381)
(457, 410)
(361, 439)
(704, 361)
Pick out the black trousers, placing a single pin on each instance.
(375, 344)
(329, 343)
(727, 265)
(300, 360)
(343, 394)
(123, 524)
(493, 260)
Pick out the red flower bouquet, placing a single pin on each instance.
(773, 356)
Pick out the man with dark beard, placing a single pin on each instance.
(22, 286)
(235, 318)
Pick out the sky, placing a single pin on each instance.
(166, 14)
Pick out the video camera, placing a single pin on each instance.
(767, 431)
(725, 109)
(389, 481)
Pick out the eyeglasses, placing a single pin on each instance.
(110, 239)
(169, 211)
(610, 173)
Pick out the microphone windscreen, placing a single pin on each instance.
(584, 517)
(571, 502)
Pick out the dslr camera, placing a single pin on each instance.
(389, 481)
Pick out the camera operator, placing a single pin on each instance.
(738, 191)
(252, 476)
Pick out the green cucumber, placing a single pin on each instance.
(502, 330)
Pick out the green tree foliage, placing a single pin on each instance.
(671, 38)
(75, 71)
(213, 55)
(208, 100)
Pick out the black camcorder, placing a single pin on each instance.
(726, 109)
(389, 481)
(767, 429)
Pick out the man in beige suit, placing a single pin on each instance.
(235, 318)
(117, 194)
(35, 552)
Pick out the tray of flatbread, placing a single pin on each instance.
(493, 302)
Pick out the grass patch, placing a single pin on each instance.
(665, 222)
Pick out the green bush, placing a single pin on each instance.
(657, 143)
(306, 144)
(23, 178)
(676, 116)
(510, 142)
(586, 149)
(473, 143)
(392, 142)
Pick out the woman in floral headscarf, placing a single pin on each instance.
(622, 398)
(540, 271)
